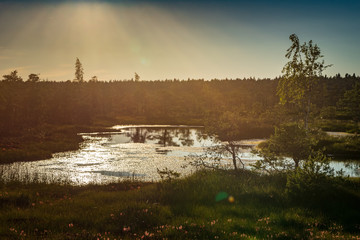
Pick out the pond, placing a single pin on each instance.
(132, 152)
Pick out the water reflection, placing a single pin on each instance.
(131, 152)
(138, 136)
(165, 136)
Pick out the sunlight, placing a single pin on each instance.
(118, 38)
(114, 41)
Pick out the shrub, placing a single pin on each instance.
(311, 179)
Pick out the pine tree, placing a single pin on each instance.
(137, 77)
(79, 71)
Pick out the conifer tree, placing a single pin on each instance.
(79, 71)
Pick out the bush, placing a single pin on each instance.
(313, 178)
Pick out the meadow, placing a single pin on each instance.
(206, 205)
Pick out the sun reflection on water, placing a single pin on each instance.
(132, 153)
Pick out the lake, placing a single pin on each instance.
(132, 152)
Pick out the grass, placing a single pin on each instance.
(42, 142)
(347, 147)
(337, 125)
(197, 207)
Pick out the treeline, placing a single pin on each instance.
(27, 105)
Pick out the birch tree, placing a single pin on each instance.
(301, 74)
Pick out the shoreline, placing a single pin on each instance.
(54, 139)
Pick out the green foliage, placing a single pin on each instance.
(301, 74)
(341, 147)
(24, 105)
(181, 209)
(312, 178)
(230, 128)
(334, 125)
(289, 140)
(40, 143)
(350, 103)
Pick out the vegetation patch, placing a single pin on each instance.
(256, 206)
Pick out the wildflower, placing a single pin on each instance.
(146, 233)
(71, 225)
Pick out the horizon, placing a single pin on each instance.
(162, 40)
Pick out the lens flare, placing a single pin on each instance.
(221, 196)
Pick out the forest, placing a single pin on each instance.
(42, 117)
(29, 105)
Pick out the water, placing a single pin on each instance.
(132, 152)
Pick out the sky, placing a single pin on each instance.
(173, 39)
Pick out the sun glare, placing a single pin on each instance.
(115, 40)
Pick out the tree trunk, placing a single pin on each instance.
(234, 157)
(233, 154)
(296, 163)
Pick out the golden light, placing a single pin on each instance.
(115, 40)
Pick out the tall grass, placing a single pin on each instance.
(205, 205)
